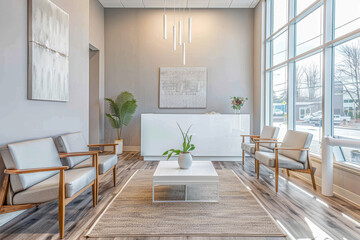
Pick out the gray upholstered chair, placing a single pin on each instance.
(75, 142)
(34, 174)
(268, 133)
(292, 155)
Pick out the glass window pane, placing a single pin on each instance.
(279, 14)
(347, 16)
(346, 95)
(279, 49)
(308, 99)
(309, 31)
(279, 100)
(302, 4)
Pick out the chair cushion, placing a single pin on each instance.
(40, 153)
(250, 148)
(268, 159)
(48, 190)
(296, 139)
(269, 132)
(72, 142)
(105, 163)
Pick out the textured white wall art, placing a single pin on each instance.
(183, 87)
(48, 51)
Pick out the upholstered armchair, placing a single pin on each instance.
(34, 175)
(268, 133)
(75, 142)
(292, 155)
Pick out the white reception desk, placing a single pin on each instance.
(216, 137)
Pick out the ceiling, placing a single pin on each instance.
(179, 3)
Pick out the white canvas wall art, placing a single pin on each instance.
(48, 51)
(183, 87)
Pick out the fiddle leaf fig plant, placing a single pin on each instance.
(122, 110)
(187, 146)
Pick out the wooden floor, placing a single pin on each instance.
(303, 213)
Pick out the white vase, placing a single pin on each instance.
(119, 147)
(185, 160)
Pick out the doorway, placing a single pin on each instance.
(94, 96)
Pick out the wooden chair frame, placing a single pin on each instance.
(276, 169)
(63, 201)
(113, 169)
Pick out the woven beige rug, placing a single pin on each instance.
(132, 213)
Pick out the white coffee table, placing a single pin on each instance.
(169, 173)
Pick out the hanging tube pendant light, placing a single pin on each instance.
(174, 31)
(189, 33)
(180, 28)
(164, 22)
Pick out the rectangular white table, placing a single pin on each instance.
(169, 173)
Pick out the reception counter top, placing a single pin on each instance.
(215, 136)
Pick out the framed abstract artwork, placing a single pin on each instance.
(48, 51)
(183, 87)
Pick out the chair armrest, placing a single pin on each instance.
(250, 136)
(265, 139)
(103, 144)
(76, 154)
(292, 149)
(34, 170)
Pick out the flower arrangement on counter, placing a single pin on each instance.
(238, 102)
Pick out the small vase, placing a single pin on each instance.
(185, 160)
(237, 111)
(119, 147)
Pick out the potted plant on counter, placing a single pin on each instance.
(185, 158)
(122, 110)
(237, 103)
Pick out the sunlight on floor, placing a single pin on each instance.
(318, 233)
(351, 219)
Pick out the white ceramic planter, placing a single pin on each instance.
(119, 147)
(185, 160)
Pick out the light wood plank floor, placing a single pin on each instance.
(305, 214)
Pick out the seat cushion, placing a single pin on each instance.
(72, 142)
(39, 153)
(105, 163)
(250, 148)
(296, 139)
(269, 132)
(268, 159)
(48, 190)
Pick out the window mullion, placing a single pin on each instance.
(291, 68)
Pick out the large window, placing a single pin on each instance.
(308, 98)
(314, 73)
(346, 106)
(279, 100)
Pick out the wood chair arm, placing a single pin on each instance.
(292, 149)
(266, 139)
(76, 154)
(34, 170)
(103, 144)
(250, 136)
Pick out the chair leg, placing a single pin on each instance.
(288, 172)
(61, 204)
(114, 175)
(257, 165)
(94, 194)
(312, 178)
(243, 157)
(276, 178)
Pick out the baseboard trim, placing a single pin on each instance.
(338, 191)
(132, 148)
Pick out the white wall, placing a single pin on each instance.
(27, 119)
(134, 51)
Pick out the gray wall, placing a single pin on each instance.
(24, 119)
(97, 64)
(134, 51)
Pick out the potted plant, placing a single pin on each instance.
(122, 110)
(185, 158)
(237, 103)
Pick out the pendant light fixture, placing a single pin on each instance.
(164, 22)
(180, 29)
(174, 31)
(183, 44)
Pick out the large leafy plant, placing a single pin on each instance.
(122, 110)
(187, 146)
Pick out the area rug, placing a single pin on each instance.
(237, 214)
